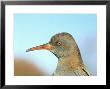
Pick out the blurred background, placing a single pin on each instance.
(36, 29)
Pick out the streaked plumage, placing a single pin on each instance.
(64, 47)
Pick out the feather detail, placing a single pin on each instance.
(84, 69)
(81, 71)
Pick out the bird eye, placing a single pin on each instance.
(58, 43)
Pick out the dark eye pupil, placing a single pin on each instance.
(58, 43)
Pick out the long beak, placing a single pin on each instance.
(44, 46)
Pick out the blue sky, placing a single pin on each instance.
(36, 29)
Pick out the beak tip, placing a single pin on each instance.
(27, 50)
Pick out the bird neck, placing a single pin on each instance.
(70, 63)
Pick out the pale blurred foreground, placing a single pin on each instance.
(26, 68)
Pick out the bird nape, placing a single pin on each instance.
(64, 47)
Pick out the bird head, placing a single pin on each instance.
(61, 45)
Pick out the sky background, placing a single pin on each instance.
(36, 29)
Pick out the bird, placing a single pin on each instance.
(65, 48)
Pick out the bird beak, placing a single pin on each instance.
(41, 47)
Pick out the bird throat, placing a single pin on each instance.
(68, 64)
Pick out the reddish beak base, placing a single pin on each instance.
(41, 47)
